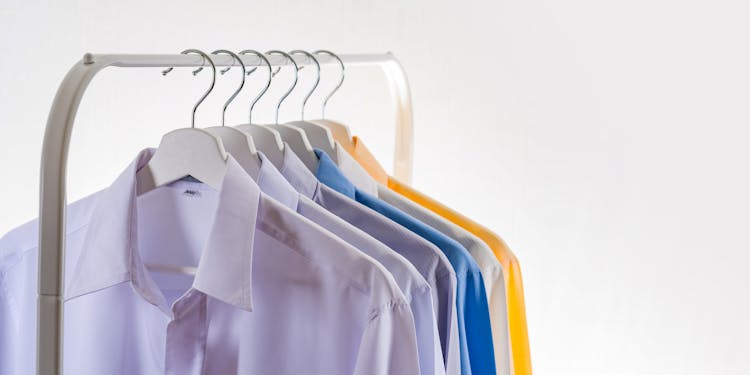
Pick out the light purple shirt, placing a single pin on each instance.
(426, 257)
(412, 284)
(273, 293)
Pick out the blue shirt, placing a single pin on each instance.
(472, 309)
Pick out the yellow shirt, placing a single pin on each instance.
(519, 337)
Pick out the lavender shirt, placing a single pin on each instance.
(273, 292)
(431, 263)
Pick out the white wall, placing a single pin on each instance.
(605, 140)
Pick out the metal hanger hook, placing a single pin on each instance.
(242, 83)
(195, 72)
(341, 81)
(265, 61)
(296, 76)
(317, 78)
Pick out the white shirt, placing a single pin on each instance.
(273, 292)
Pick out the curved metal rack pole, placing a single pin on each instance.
(52, 196)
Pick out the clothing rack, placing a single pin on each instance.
(52, 197)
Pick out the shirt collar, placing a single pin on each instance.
(330, 174)
(354, 171)
(273, 183)
(110, 256)
(297, 174)
(366, 159)
(350, 174)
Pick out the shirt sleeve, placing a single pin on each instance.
(389, 343)
(476, 321)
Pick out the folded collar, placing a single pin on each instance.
(354, 172)
(295, 171)
(330, 174)
(273, 183)
(110, 249)
(367, 160)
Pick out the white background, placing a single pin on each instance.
(606, 141)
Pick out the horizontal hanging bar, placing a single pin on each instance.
(192, 60)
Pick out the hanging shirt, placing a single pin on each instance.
(426, 257)
(492, 271)
(475, 334)
(519, 338)
(415, 288)
(273, 293)
(490, 267)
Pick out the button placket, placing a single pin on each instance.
(186, 335)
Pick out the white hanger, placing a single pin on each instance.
(294, 137)
(317, 135)
(266, 139)
(338, 131)
(238, 143)
(186, 152)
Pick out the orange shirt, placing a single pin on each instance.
(519, 337)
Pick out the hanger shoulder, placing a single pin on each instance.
(339, 132)
(318, 136)
(263, 135)
(295, 137)
(181, 153)
(297, 140)
(266, 140)
(240, 145)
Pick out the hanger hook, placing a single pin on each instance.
(195, 72)
(341, 81)
(317, 79)
(265, 61)
(242, 83)
(296, 68)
